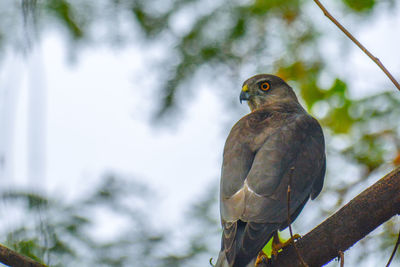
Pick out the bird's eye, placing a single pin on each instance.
(265, 86)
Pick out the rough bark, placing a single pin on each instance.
(12, 258)
(355, 220)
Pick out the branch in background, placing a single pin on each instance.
(12, 258)
(354, 221)
(394, 250)
(341, 258)
(348, 34)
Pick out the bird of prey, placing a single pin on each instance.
(278, 143)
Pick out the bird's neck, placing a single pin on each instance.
(287, 104)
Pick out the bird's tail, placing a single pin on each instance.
(222, 261)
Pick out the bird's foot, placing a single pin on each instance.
(277, 245)
(261, 258)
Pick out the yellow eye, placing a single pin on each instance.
(265, 86)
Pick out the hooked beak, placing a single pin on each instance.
(244, 95)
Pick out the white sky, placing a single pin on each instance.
(96, 122)
(96, 118)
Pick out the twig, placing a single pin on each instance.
(341, 256)
(12, 258)
(289, 220)
(394, 250)
(348, 34)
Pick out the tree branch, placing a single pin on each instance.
(351, 37)
(354, 221)
(12, 258)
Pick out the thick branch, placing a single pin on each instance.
(12, 258)
(355, 220)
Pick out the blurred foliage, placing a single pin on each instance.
(216, 44)
(203, 239)
(65, 234)
(360, 5)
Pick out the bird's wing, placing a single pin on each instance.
(293, 154)
(258, 166)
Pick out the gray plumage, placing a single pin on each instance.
(277, 142)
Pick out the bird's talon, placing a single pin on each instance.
(296, 237)
(261, 258)
(277, 245)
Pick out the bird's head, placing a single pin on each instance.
(265, 89)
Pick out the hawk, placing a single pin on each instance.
(278, 143)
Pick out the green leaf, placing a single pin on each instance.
(66, 13)
(29, 248)
(360, 5)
